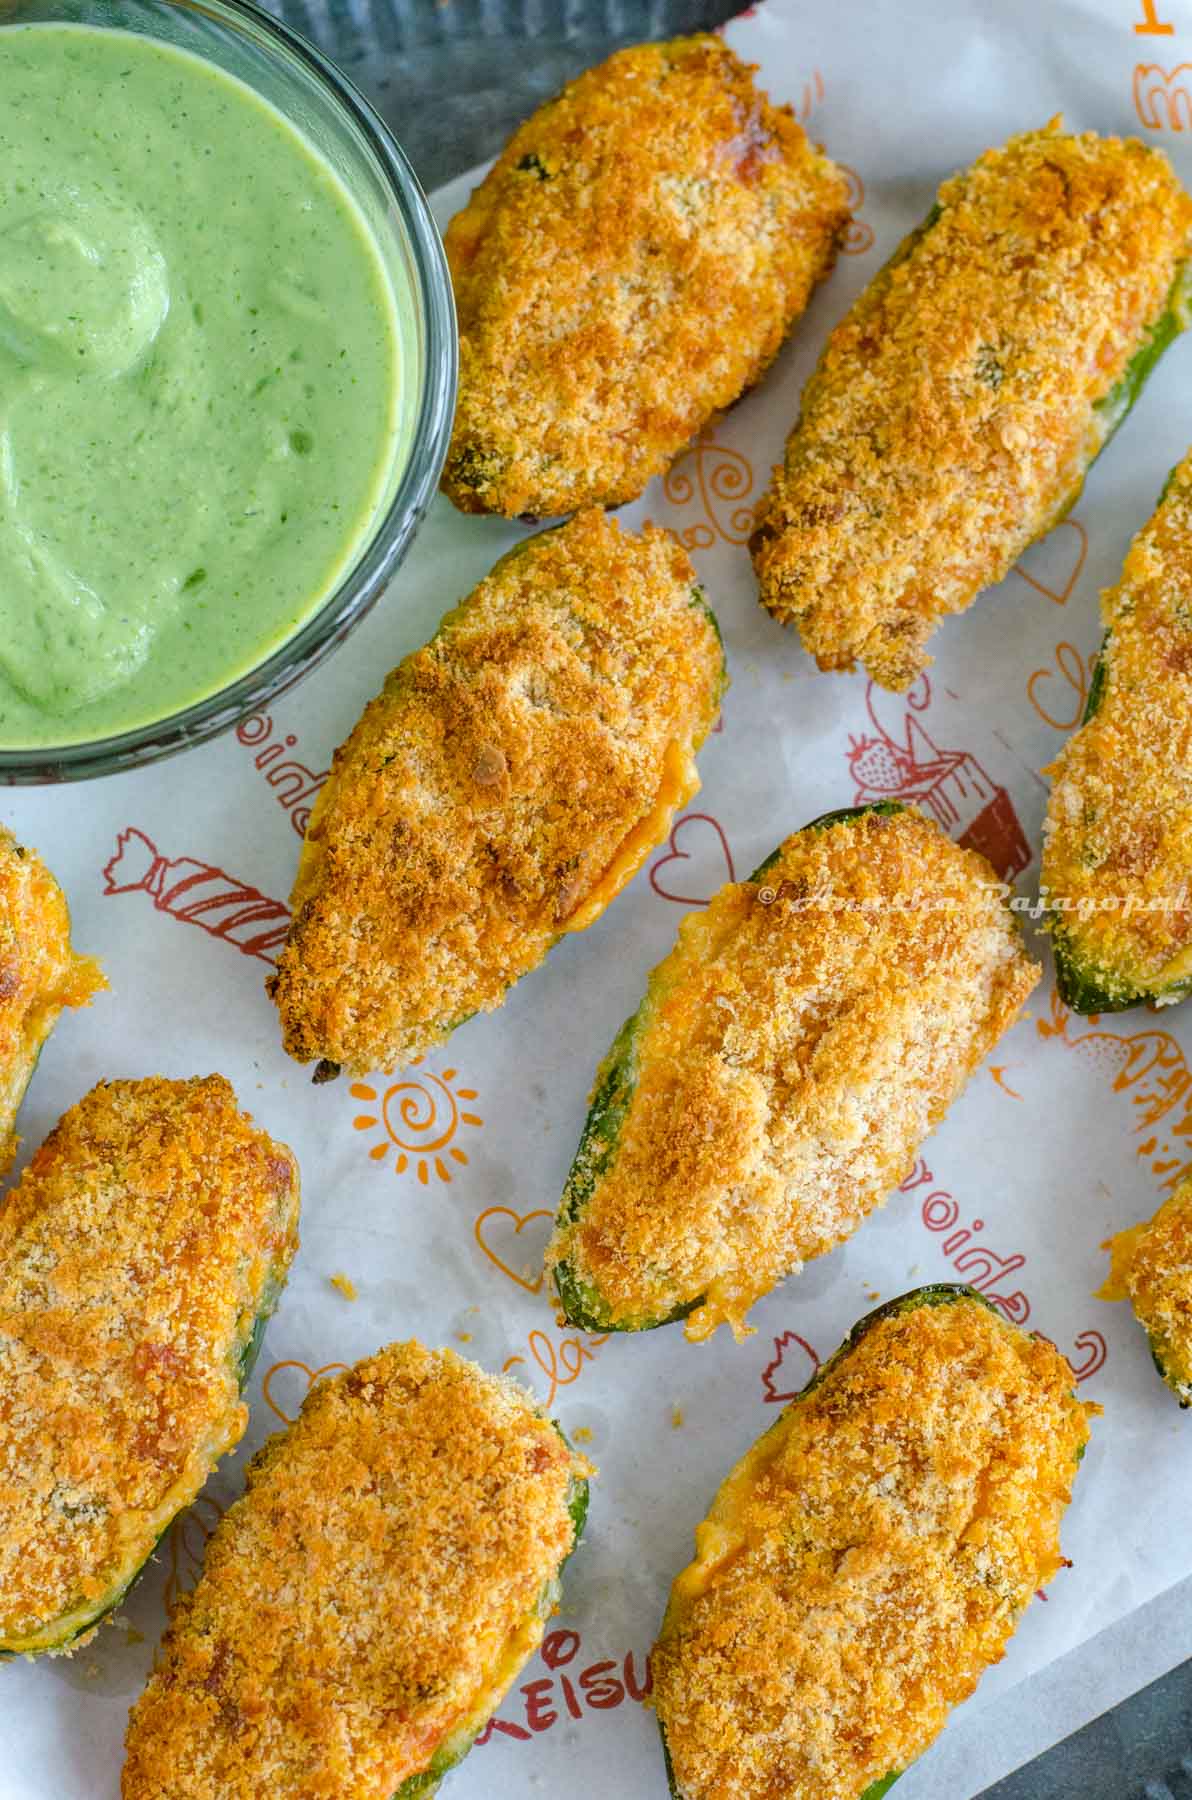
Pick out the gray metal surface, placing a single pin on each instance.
(452, 77)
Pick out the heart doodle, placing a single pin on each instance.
(709, 855)
(277, 1374)
(532, 1257)
(1056, 563)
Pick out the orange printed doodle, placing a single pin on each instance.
(698, 839)
(1049, 700)
(902, 763)
(420, 1115)
(1150, 24)
(1163, 97)
(199, 894)
(562, 1363)
(568, 1692)
(1053, 566)
(721, 480)
(295, 787)
(500, 1225)
(187, 1545)
(287, 1406)
(1152, 1070)
(859, 236)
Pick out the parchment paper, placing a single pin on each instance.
(431, 1191)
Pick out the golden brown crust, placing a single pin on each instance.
(791, 1058)
(39, 973)
(353, 1604)
(1118, 839)
(1152, 1268)
(629, 267)
(953, 413)
(510, 777)
(868, 1560)
(135, 1252)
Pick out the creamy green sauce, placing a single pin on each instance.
(200, 396)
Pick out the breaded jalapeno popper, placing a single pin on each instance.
(140, 1255)
(509, 780)
(1151, 1267)
(958, 405)
(1117, 852)
(805, 1034)
(870, 1557)
(630, 266)
(366, 1605)
(39, 974)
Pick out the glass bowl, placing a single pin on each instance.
(322, 103)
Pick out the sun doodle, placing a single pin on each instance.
(421, 1116)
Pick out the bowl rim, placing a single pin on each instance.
(390, 538)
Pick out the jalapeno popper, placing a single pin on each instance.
(510, 779)
(363, 1609)
(39, 974)
(957, 407)
(1151, 1267)
(630, 265)
(805, 1034)
(1117, 853)
(140, 1255)
(870, 1557)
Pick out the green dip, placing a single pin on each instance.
(200, 381)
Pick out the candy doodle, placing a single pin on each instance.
(199, 894)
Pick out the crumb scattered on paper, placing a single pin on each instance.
(344, 1283)
(582, 1434)
(677, 1417)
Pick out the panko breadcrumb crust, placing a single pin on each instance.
(869, 1558)
(958, 405)
(629, 267)
(1117, 852)
(789, 1059)
(39, 974)
(510, 778)
(390, 1548)
(148, 1233)
(1151, 1267)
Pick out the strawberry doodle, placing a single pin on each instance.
(420, 1115)
(199, 894)
(601, 1686)
(1151, 1069)
(706, 847)
(790, 1368)
(295, 787)
(951, 785)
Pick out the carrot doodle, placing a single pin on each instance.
(421, 1116)
(951, 785)
(601, 1686)
(295, 787)
(199, 894)
(1163, 97)
(706, 846)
